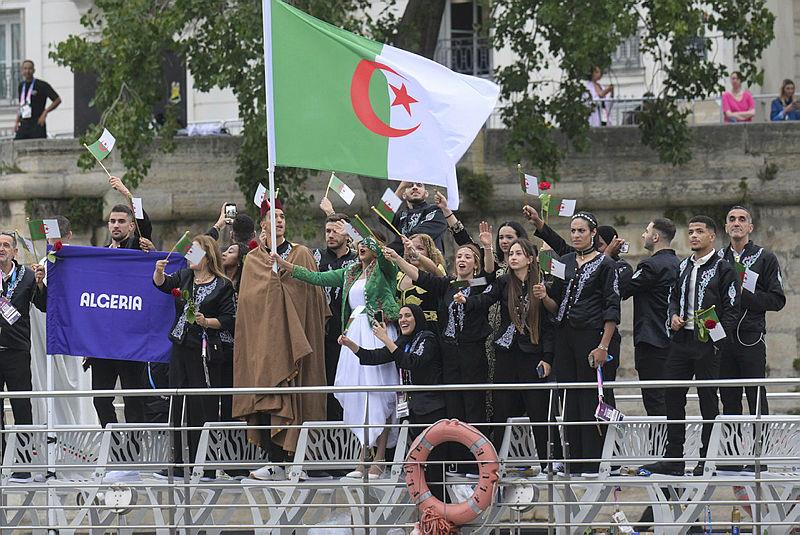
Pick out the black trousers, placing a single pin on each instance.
(651, 363)
(15, 375)
(30, 129)
(572, 366)
(221, 375)
(514, 366)
(690, 359)
(465, 363)
(186, 370)
(105, 373)
(743, 362)
(332, 349)
(434, 473)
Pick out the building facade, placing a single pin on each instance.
(31, 29)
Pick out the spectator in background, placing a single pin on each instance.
(785, 107)
(737, 104)
(600, 103)
(32, 113)
(242, 227)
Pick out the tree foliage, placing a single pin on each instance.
(221, 42)
(572, 36)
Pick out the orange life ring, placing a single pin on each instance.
(485, 455)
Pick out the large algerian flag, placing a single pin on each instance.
(343, 102)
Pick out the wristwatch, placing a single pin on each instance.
(601, 346)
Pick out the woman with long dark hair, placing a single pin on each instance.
(233, 262)
(525, 345)
(587, 308)
(205, 319)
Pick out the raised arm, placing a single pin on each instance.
(406, 267)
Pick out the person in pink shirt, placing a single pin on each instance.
(737, 104)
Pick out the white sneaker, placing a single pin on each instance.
(269, 472)
(122, 475)
(355, 474)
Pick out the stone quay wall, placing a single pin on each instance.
(618, 179)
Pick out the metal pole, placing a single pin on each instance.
(759, 445)
(550, 508)
(187, 495)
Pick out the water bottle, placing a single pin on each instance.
(736, 519)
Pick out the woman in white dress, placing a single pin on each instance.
(369, 287)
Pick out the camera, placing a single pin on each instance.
(230, 210)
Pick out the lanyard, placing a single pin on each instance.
(405, 375)
(23, 97)
(600, 383)
(12, 284)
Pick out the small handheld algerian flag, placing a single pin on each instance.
(566, 207)
(138, 211)
(353, 315)
(102, 147)
(261, 193)
(195, 253)
(389, 204)
(479, 281)
(26, 243)
(708, 325)
(51, 229)
(353, 233)
(184, 244)
(551, 265)
(361, 228)
(749, 280)
(36, 227)
(341, 189)
(528, 183)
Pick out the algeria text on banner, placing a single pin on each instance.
(92, 311)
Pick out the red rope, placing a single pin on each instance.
(433, 524)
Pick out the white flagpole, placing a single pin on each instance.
(266, 8)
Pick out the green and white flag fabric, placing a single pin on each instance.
(341, 189)
(340, 101)
(389, 205)
(102, 147)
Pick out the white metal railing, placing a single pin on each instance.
(84, 494)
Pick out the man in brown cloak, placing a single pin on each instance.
(280, 341)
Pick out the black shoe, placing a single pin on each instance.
(645, 522)
(670, 468)
(699, 469)
(164, 474)
(21, 477)
(752, 468)
(731, 468)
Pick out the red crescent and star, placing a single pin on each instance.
(359, 97)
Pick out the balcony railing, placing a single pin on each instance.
(466, 55)
(9, 82)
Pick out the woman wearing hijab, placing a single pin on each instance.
(587, 308)
(417, 355)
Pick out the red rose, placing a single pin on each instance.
(176, 293)
(710, 324)
(544, 185)
(252, 244)
(58, 245)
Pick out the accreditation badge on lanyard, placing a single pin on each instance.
(8, 311)
(401, 409)
(25, 100)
